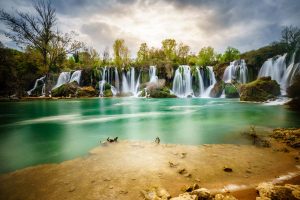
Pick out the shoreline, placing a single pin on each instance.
(131, 166)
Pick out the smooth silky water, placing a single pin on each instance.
(35, 132)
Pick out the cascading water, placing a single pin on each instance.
(182, 83)
(64, 77)
(212, 82)
(76, 76)
(276, 69)
(237, 70)
(117, 81)
(36, 84)
(129, 83)
(152, 74)
(288, 77)
(200, 82)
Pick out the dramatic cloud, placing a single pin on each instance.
(243, 24)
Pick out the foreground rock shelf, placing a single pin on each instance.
(122, 170)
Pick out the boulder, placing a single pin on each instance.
(231, 90)
(270, 191)
(88, 91)
(66, 90)
(217, 90)
(156, 92)
(290, 136)
(260, 90)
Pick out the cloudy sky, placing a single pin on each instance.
(244, 24)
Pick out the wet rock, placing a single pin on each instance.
(185, 196)
(270, 191)
(190, 188)
(290, 136)
(202, 193)
(155, 193)
(227, 169)
(224, 197)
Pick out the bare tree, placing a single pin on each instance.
(33, 30)
(290, 36)
(38, 31)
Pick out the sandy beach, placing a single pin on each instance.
(122, 170)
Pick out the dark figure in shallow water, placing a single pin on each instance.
(157, 140)
(112, 140)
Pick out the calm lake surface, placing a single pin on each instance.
(35, 132)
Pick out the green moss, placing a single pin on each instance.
(107, 93)
(66, 90)
(231, 91)
(260, 90)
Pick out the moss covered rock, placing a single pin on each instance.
(231, 91)
(107, 93)
(66, 90)
(217, 90)
(260, 90)
(156, 92)
(88, 91)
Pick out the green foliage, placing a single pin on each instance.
(230, 54)
(169, 49)
(143, 55)
(294, 92)
(121, 53)
(206, 56)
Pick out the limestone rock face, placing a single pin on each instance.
(217, 90)
(260, 90)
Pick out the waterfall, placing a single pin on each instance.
(129, 83)
(152, 74)
(117, 81)
(64, 77)
(36, 84)
(182, 83)
(76, 76)
(101, 87)
(237, 70)
(200, 82)
(287, 79)
(274, 67)
(212, 82)
(277, 70)
(125, 86)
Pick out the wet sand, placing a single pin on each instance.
(121, 170)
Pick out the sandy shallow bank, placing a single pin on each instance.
(121, 170)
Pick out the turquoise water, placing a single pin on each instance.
(36, 132)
